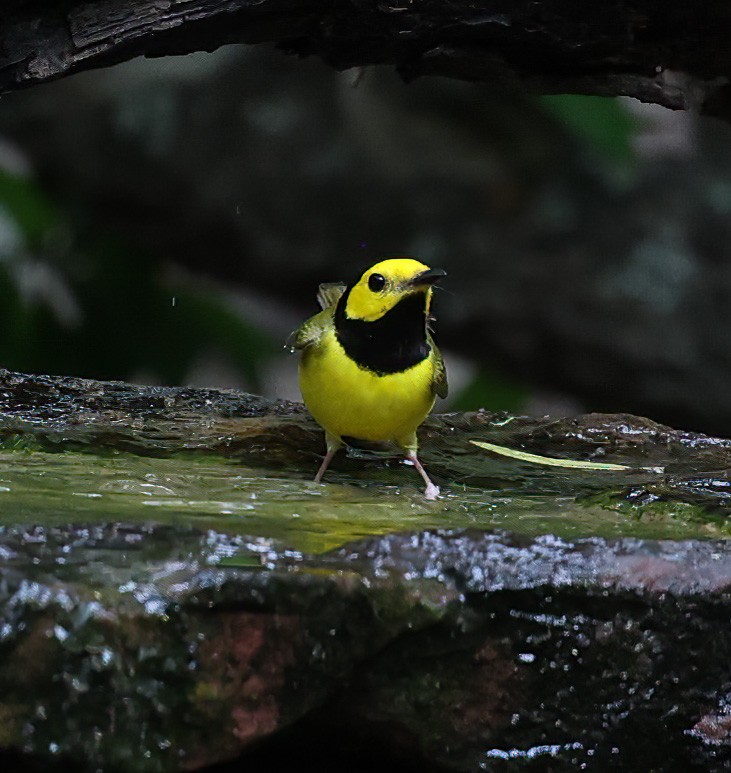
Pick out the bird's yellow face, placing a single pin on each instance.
(385, 284)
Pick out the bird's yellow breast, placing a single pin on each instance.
(348, 400)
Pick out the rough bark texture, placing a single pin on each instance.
(675, 54)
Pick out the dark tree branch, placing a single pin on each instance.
(673, 52)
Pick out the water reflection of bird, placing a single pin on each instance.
(370, 369)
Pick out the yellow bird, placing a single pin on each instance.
(369, 369)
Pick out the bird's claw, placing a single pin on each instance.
(431, 492)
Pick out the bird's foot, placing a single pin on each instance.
(431, 492)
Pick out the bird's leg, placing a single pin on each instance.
(332, 446)
(325, 462)
(431, 492)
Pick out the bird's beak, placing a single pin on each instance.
(427, 278)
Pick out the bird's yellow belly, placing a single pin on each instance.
(347, 400)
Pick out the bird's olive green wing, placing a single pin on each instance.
(329, 293)
(439, 379)
(311, 330)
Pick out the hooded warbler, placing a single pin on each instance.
(369, 368)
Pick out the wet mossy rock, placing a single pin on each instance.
(176, 594)
(53, 414)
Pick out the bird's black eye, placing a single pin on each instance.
(376, 282)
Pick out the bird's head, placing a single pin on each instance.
(388, 283)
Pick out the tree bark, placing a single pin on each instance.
(673, 53)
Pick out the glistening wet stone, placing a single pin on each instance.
(175, 593)
(135, 648)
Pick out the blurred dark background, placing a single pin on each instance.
(168, 221)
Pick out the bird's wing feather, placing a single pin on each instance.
(311, 330)
(439, 383)
(329, 293)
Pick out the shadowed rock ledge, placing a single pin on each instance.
(162, 645)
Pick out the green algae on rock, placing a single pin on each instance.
(211, 453)
(175, 592)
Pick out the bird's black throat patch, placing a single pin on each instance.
(395, 342)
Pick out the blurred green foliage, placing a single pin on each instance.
(492, 390)
(74, 301)
(603, 123)
(77, 301)
(605, 128)
(28, 207)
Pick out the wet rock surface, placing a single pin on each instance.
(183, 598)
(57, 413)
(133, 648)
